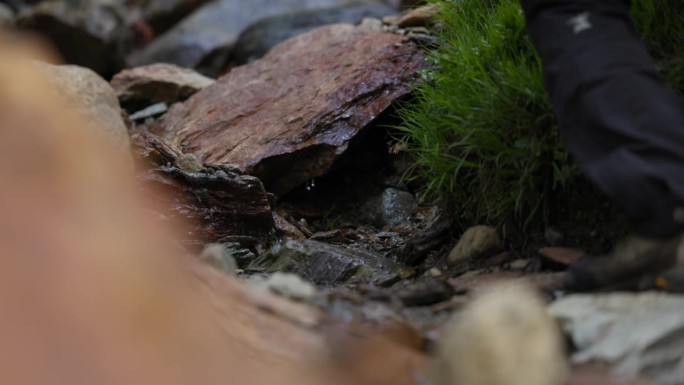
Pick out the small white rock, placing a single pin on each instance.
(290, 286)
(216, 255)
(633, 333)
(372, 24)
(503, 337)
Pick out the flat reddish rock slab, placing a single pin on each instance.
(286, 117)
(561, 255)
(474, 279)
(546, 282)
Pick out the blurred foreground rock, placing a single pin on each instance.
(94, 291)
(503, 337)
(85, 33)
(633, 333)
(308, 98)
(85, 93)
(6, 16)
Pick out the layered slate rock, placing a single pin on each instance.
(157, 83)
(326, 265)
(286, 117)
(218, 200)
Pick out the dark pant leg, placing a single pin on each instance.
(623, 125)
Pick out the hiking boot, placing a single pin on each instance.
(634, 262)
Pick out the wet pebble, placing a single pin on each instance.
(391, 208)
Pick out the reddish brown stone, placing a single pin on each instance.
(560, 255)
(287, 229)
(546, 282)
(157, 83)
(285, 118)
(474, 279)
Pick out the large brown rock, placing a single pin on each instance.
(286, 117)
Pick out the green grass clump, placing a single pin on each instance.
(481, 128)
(661, 24)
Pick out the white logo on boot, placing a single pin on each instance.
(580, 23)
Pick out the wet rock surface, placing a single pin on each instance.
(309, 97)
(157, 83)
(325, 264)
(391, 208)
